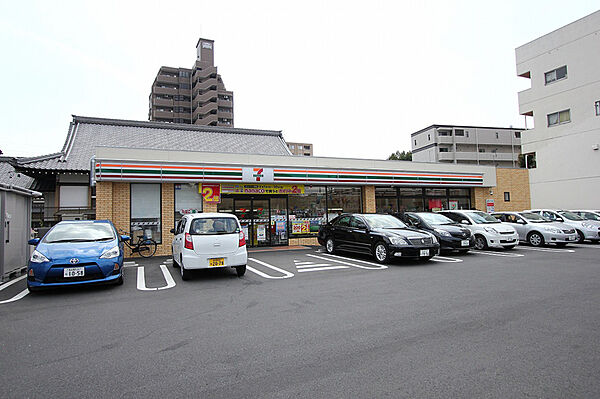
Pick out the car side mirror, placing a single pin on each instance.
(172, 231)
(559, 219)
(521, 222)
(125, 238)
(34, 241)
(464, 221)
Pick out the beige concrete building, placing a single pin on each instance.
(478, 145)
(194, 95)
(304, 149)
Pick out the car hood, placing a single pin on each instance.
(451, 228)
(404, 233)
(499, 227)
(62, 250)
(559, 225)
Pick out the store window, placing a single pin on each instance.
(306, 212)
(187, 200)
(343, 199)
(146, 211)
(386, 199)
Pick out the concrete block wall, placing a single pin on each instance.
(368, 199)
(512, 180)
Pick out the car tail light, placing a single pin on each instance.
(189, 244)
(242, 239)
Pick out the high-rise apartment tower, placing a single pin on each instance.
(194, 96)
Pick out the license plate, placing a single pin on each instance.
(464, 243)
(216, 262)
(73, 271)
(424, 252)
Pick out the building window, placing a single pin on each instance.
(415, 142)
(556, 74)
(442, 149)
(386, 199)
(444, 133)
(517, 135)
(597, 107)
(428, 137)
(497, 136)
(187, 200)
(459, 132)
(558, 118)
(482, 150)
(184, 86)
(506, 196)
(343, 199)
(146, 211)
(307, 210)
(292, 146)
(530, 160)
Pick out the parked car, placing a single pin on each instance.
(208, 241)
(382, 236)
(489, 232)
(537, 230)
(451, 235)
(76, 252)
(588, 215)
(585, 229)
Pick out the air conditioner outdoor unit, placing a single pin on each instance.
(73, 216)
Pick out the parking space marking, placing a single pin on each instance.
(11, 282)
(141, 279)
(555, 250)
(507, 255)
(311, 264)
(445, 259)
(320, 269)
(20, 295)
(377, 267)
(285, 273)
(130, 264)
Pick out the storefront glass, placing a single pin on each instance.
(187, 200)
(386, 199)
(343, 199)
(307, 211)
(146, 211)
(408, 204)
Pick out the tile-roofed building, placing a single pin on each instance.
(10, 177)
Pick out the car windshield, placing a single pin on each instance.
(435, 218)
(571, 216)
(482, 218)
(80, 232)
(211, 226)
(534, 217)
(383, 222)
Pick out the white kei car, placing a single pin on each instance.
(207, 241)
(489, 232)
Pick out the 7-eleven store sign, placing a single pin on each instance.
(257, 174)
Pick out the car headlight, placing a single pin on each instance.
(37, 257)
(588, 225)
(111, 253)
(491, 230)
(434, 238)
(398, 241)
(443, 233)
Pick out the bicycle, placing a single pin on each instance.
(144, 246)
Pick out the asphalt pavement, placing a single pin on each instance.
(304, 324)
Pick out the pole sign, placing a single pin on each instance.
(211, 192)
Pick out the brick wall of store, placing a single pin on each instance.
(511, 180)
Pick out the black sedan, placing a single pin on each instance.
(383, 236)
(451, 235)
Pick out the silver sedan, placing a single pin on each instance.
(537, 230)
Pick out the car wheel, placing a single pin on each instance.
(330, 246)
(535, 239)
(580, 236)
(480, 242)
(381, 253)
(241, 270)
(185, 274)
(33, 289)
(119, 280)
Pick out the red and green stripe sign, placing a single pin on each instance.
(130, 171)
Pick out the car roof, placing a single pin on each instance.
(84, 221)
(210, 215)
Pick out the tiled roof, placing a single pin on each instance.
(85, 134)
(10, 177)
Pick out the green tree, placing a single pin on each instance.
(401, 156)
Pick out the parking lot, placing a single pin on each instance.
(303, 323)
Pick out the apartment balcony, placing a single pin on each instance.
(162, 102)
(225, 114)
(206, 97)
(482, 156)
(207, 84)
(167, 79)
(205, 109)
(162, 114)
(225, 103)
(164, 90)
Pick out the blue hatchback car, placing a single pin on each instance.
(76, 252)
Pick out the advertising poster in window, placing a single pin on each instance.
(300, 226)
(435, 204)
(211, 192)
(261, 232)
(453, 205)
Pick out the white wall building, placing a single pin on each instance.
(564, 101)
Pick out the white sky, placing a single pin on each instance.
(353, 78)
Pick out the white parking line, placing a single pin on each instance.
(445, 259)
(130, 264)
(312, 264)
(16, 297)
(141, 279)
(11, 282)
(285, 273)
(506, 255)
(556, 250)
(318, 269)
(377, 267)
(302, 263)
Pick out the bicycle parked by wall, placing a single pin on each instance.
(144, 246)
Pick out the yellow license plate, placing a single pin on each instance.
(216, 262)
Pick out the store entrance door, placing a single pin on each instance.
(264, 220)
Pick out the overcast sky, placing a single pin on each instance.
(353, 78)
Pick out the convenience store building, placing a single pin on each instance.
(145, 175)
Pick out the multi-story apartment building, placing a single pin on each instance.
(196, 95)
(498, 146)
(562, 150)
(305, 149)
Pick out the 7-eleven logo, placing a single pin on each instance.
(258, 173)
